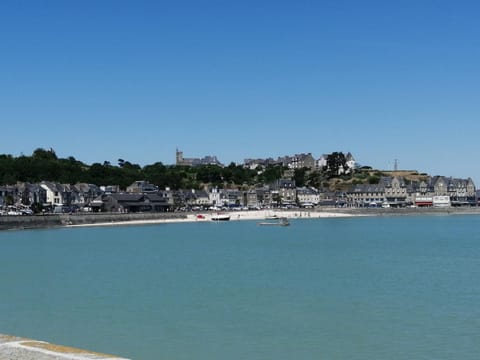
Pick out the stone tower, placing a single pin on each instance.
(179, 157)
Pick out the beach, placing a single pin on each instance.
(231, 215)
(258, 215)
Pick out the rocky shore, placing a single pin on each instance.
(16, 348)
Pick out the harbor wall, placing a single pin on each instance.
(56, 220)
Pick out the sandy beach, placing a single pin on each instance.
(233, 216)
(260, 215)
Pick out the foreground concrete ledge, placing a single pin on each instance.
(16, 348)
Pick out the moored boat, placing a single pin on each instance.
(281, 222)
(220, 217)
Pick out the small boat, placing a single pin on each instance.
(281, 222)
(220, 217)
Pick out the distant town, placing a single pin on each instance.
(43, 183)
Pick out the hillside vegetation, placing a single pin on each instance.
(371, 176)
(45, 165)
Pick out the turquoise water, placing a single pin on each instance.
(353, 288)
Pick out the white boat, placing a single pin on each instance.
(220, 217)
(281, 222)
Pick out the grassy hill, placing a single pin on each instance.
(372, 176)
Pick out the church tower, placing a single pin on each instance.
(179, 157)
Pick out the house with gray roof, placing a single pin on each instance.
(395, 190)
(307, 196)
(232, 197)
(193, 198)
(461, 191)
(253, 164)
(29, 194)
(142, 187)
(57, 194)
(286, 190)
(132, 203)
(363, 195)
(86, 193)
(260, 197)
(299, 161)
(252, 199)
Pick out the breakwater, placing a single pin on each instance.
(58, 220)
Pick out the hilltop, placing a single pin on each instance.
(367, 175)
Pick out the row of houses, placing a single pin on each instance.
(299, 161)
(141, 196)
(48, 194)
(394, 191)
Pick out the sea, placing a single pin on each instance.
(404, 287)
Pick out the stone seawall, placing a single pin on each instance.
(16, 348)
(412, 211)
(57, 220)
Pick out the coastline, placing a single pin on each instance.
(116, 219)
(14, 347)
(233, 216)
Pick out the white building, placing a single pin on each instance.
(307, 196)
(55, 193)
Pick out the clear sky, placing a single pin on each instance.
(102, 80)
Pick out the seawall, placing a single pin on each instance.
(16, 348)
(467, 210)
(58, 220)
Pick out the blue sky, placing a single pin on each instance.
(103, 80)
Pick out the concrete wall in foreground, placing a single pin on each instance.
(15, 348)
(55, 220)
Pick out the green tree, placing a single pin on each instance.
(156, 174)
(300, 177)
(270, 174)
(335, 162)
(209, 174)
(315, 179)
(42, 154)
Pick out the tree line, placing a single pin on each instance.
(44, 164)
